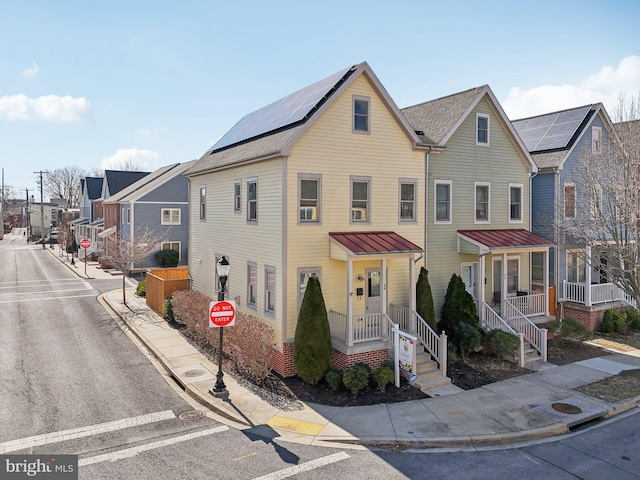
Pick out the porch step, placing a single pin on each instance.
(531, 355)
(427, 373)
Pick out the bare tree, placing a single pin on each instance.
(122, 165)
(607, 202)
(65, 183)
(122, 252)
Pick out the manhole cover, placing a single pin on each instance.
(566, 408)
(191, 415)
(193, 373)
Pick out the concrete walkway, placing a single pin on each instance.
(541, 404)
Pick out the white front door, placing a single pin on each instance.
(373, 293)
(468, 273)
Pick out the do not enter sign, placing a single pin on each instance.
(85, 243)
(222, 314)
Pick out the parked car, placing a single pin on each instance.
(52, 238)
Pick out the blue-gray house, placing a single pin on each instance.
(557, 142)
(159, 202)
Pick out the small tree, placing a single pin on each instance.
(424, 299)
(123, 253)
(459, 308)
(312, 341)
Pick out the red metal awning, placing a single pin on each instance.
(374, 243)
(506, 238)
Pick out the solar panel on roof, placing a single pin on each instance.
(281, 113)
(550, 131)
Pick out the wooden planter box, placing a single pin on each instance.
(162, 282)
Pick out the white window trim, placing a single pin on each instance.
(202, 202)
(594, 146)
(564, 199)
(253, 265)
(488, 142)
(359, 179)
(580, 264)
(248, 181)
(414, 182)
(475, 199)
(267, 269)
(435, 202)
(318, 179)
(521, 187)
(237, 199)
(170, 222)
(353, 114)
(303, 270)
(125, 216)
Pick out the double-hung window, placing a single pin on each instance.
(408, 203)
(575, 267)
(361, 114)
(172, 246)
(482, 129)
(515, 203)
(270, 290)
(203, 202)
(236, 196)
(252, 284)
(252, 200)
(170, 216)
(596, 139)
(482, 202)
(303, 277)
(569, 200)
(309, 198)
(442, 202)
(360, 199)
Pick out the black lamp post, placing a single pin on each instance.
(223, 273)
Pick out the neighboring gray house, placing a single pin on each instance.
(90, 189)
(158, 201)
(557, 141)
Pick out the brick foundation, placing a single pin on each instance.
(282, 362)
(590, 317)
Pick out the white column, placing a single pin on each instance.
(503, 294)
(587, 279)
(481, 290)
(349, 302)
(384, 285)
(545, 274)
(412, 293)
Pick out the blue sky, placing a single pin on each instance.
(95, 84)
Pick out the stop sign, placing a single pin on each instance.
(85, 243)
(222, 314)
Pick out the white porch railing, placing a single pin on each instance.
(493, 321)
(532, 304)
(435, 344)
(537, 337)
(598, 293)
(364, 328)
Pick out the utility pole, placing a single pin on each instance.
(41, 209)
(26, 212)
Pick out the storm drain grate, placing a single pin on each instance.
(191, 415)
(566, 408)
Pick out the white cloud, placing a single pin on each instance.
(604, 86)
(143, 160)
(30, 73)
(48, 108)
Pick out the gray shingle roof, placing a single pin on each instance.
(437, 118)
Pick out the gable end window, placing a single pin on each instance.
(309, 198)
(515, 203)
(170, 216)
(596, 139)
(237, 205)
(442, 202)
(482, 202)
(408, 200)
(482, 129)
(360, 199)
(252, 200)
(361, 114)
(569, 200)
(203, 202)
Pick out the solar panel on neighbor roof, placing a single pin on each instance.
(551, 131)
(283, 112)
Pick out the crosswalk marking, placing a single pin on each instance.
(304, 467)
(133, 451)
(87, 431)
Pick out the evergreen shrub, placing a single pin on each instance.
(167, 258)
(334, 378)
(356, 378)
(383, 375)
(501, 344)
(572, 328)
(141, 288)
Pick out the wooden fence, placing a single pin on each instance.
(162, 282)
